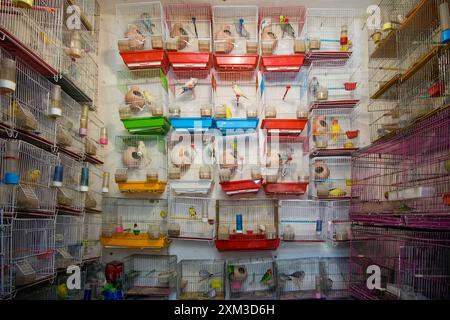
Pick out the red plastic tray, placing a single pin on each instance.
(285, 188)
(239, 187)
(237, 245)
(295, 126)
(283, 63)
(190, 60)
(446, 198)
(227, 62)
(147, 59)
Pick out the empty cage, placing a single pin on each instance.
(201, 280)
(92, 227)
(338, 222)
(252, 279)
(135, 223)
(335, 278)
(69, 197)
(143, 164)
(330, 177)
(94, 140)
(68, 241)
(93, 197)
(150, 275)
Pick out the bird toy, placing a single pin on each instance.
(147, 22)
(240, 28)
(194, 22)
(288, 88)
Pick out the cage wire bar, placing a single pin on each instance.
(68, 241)
(331, 178)
(150, 275)
(69, 197)
(135, 223)
(33, 250)
(191, 218)
(7, 119)
(92, 248)
(6, 266)
(93, 202)
(93, 147)
(37, 29)
(414, 264)
(338, 222)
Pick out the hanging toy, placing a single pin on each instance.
(147, 22)
(194, 22)
(240, 29)
(288, 88)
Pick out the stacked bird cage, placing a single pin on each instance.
(191, 100)
(93, 201)
(303, 220)
(191, 162)
(135, 223)
(331, 178)
(338, 222)
(92, 227)
(8, 86)
(144, 163)
(95, 137)
(413, 265)
(69, 197)
(36, 30)
(68, 241)
(150, 276)
(33, 250)
(247, 225)
(201, 280)
(335, 278)
(145, 99)
(298, 279)
(6, 266)
(190, 218)
(252, 279)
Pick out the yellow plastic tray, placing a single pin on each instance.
(129, 240)
(144, 186)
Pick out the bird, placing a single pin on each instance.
(192, 212)
(296, 276)
(228, 113)
(335, 130)
(287, 28)
(142, 152)
(265, 23)
(149, 99)
(238, 92)
(189, 86)
(313, 86)
(240, 28)
(62, 291)
(33, 175)
(267, 277)
(282, 24)
(147, 22)
(205, 275)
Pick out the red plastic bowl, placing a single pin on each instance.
(350, 86)
(352, 134)
(436, 90)
(446, 198)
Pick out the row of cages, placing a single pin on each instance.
(405, 180)
(34, 248)
(243, 164)
(151, 102)
(233, 225)
(33, 180)
(30, 104)
(59, 38)
(190, 32)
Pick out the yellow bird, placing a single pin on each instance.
(148, 97)
(192, 212)
(33, 175)
(335, 130)
(228, 113)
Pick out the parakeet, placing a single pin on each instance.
(228, 113)
(190, 86)
(267, 277)
(265, 23)
(142, 152)
(192, 212)
(33, 175)
(282, 25)
(147, 22)
(205, 275)
(149, 99)
(62, 291)
(240, 28)
(335, 130)
(238, 92)
(287, 28)
(313, 86)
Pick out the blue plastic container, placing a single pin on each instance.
(445, 36)
(194, 124)
(11, 179)
(236, 124)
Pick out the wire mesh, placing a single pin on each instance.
(338, 220)
(92, 248)
(92, 145)
(331, 177)
(6, 266)
(68, 241)
(94, 197)
(69, 196)
(6, 114)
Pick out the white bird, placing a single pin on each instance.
(190, 86)
(149, 99)
(238, 91)
(142, 151)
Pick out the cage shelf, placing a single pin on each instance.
(245, 62)
(310, 57)
(286, 188)
(71, 88)
(289, 63)
(247, 243)
(141, 241)
(157, 187)
(236, 124)
(189, 187)
(195, 124)
(145, 59)
(189, 60)
(285, 126)
(153, 125)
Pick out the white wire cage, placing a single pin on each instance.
(38, 29)
(334, 129)
(235, 29)
(141, 26)
(201, 280)
(33, 170)
(135, 223)
(191, 162)
(191, 94)
(6, 266)
(33, 250)
(338, 222)
(330, 177)
(330, 29)
(188, 27)
(93, 201)
(92, 227)
(143, 164)
(191, 218)
(281, 30)
(252, 279)
(150, 275)
(68, 241)
(94, 141)
(335, 278)
(303, 220)
(7, 89)
(384, 118)
(69, 197)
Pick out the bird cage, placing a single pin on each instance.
(89, 12)
(191, 218)
(330, 33)
(413, 265)
(239, 165)
(150, 275)
(384, 118)
(34, 32)
(69, 197)
(201, 280)
(6, 266)
(333, 130)
(190, 100)
(95, 138)
(135, 223)
(282, 42)
(404, 180)
(330, 177)
(247, 225)
(334, 275)
(142, 33)
(191, 162)
(303, 220)
(144, 108)
(27, 175)
(236, 102)
(144, 164)
(30, 105)
(285, 165)
(68, 241)
(94, 195)
(33, 250)
(334, 84)
(338, 222)
(235, 35)
(188, 35)
(8, 80)
(92, 227)
(68, 127)
(283, 110)
(252, 279)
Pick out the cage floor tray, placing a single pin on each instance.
(334, 104)
(200, 124)
(285, 126)
(280, 63)
(148, 291)
(228, 62)
(128, 240)
(189, 60)
(236, 124)
(285, 188)
(146, 59)
(145, 186)
(191, 187)
(149, 125)
(240, 244)
(326, 55)
(241, 187)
